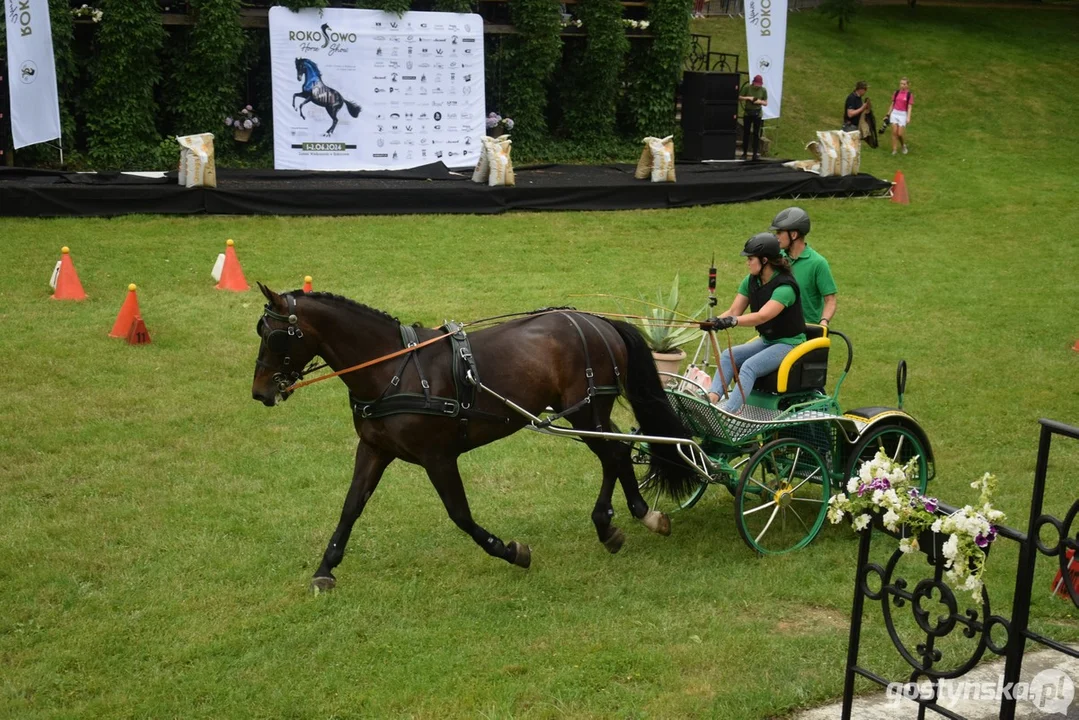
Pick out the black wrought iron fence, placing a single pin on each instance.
(975, 623)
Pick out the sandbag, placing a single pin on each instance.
(197, 167)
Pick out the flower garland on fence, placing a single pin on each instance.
(246, 119)
(89, 12)
(886, 488)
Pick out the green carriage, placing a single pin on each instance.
(790, 447)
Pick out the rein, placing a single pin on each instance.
(403, 351)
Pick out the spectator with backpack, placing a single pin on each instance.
(899, 115)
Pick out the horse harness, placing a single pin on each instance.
(466, 378)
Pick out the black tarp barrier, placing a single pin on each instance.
(428, 189)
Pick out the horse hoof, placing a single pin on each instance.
(614, 542)
(522, 555)
(323, 584)
(657, 522)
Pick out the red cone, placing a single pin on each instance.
(232, 275)
(127, 313)
(68, 286)
(137, 334)
(307, 284)
(899, 189)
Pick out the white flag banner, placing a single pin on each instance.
(370, 90)
(35, 104)
(766, 41)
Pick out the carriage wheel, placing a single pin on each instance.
(650, 490)
(898, 442)
(782, 497)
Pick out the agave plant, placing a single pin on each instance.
(661, 318)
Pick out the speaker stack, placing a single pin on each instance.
(709, 115)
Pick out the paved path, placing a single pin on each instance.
(877, 706)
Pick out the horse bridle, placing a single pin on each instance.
(281, 342)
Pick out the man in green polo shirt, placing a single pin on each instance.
(810, 269)
(754, 96)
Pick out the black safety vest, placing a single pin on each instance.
(790, 321)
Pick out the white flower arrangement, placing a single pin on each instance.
(635, 24)
(246, 119)
(86, 11)
(886, 488)
(570, 21)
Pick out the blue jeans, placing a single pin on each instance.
(754, 359)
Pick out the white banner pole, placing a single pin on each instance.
(766, 41)
(35, 103)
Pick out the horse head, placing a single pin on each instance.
(288, 343)
(299, 68)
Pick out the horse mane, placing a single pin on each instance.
(348, 303)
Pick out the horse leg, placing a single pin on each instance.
(602, 514)
(332, 110)
(297, 95)
(446, 478)
(370, 464)
(654, 520)
(307, 99)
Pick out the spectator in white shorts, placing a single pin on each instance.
(899, 113)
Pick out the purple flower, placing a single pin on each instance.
(992, 533)
(982, 541)
(861, 489)
(930, 505)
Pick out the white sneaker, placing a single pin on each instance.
(893, 152)
(904, 149)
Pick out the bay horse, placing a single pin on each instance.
(318, 92)
(424, 413)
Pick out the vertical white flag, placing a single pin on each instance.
(35, 105)
(766, 40)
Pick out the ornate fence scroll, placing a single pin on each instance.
(956, 620)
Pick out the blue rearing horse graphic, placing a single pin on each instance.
(318, 92)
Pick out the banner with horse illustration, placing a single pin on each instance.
(370, 90)
(35, 104)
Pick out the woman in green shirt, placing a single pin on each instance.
(771, 294)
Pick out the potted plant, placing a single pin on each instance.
(498, 125)
(663, 330)
(243, 123)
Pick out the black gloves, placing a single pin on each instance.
(721, 323)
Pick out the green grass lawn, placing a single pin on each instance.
(159, 527)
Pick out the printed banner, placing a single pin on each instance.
(766, 41)
(35, 104)
(368, 90)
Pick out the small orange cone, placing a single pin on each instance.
(1075, 347)
(307, 283)
(899, 189)
(127, 313)
(68, 286)
(137, 334)
(232, 275)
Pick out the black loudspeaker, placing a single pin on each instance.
(709, 115)
(698, 146)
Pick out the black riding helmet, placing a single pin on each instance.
(763, 245)
(793, 218)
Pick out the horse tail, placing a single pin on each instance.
(353, 108)
(642, 387)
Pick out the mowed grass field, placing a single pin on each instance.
(158, 528)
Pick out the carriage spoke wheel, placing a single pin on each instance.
(782, 497)
(653, 494)
(899, 443)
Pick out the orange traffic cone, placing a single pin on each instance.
(899, 189)
(68, 286)
(137, 334)
(127, 313)
(307, 283)
(1075, 347)
(232, 275)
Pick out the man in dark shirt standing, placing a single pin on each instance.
(855, 106)
(754, 97)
